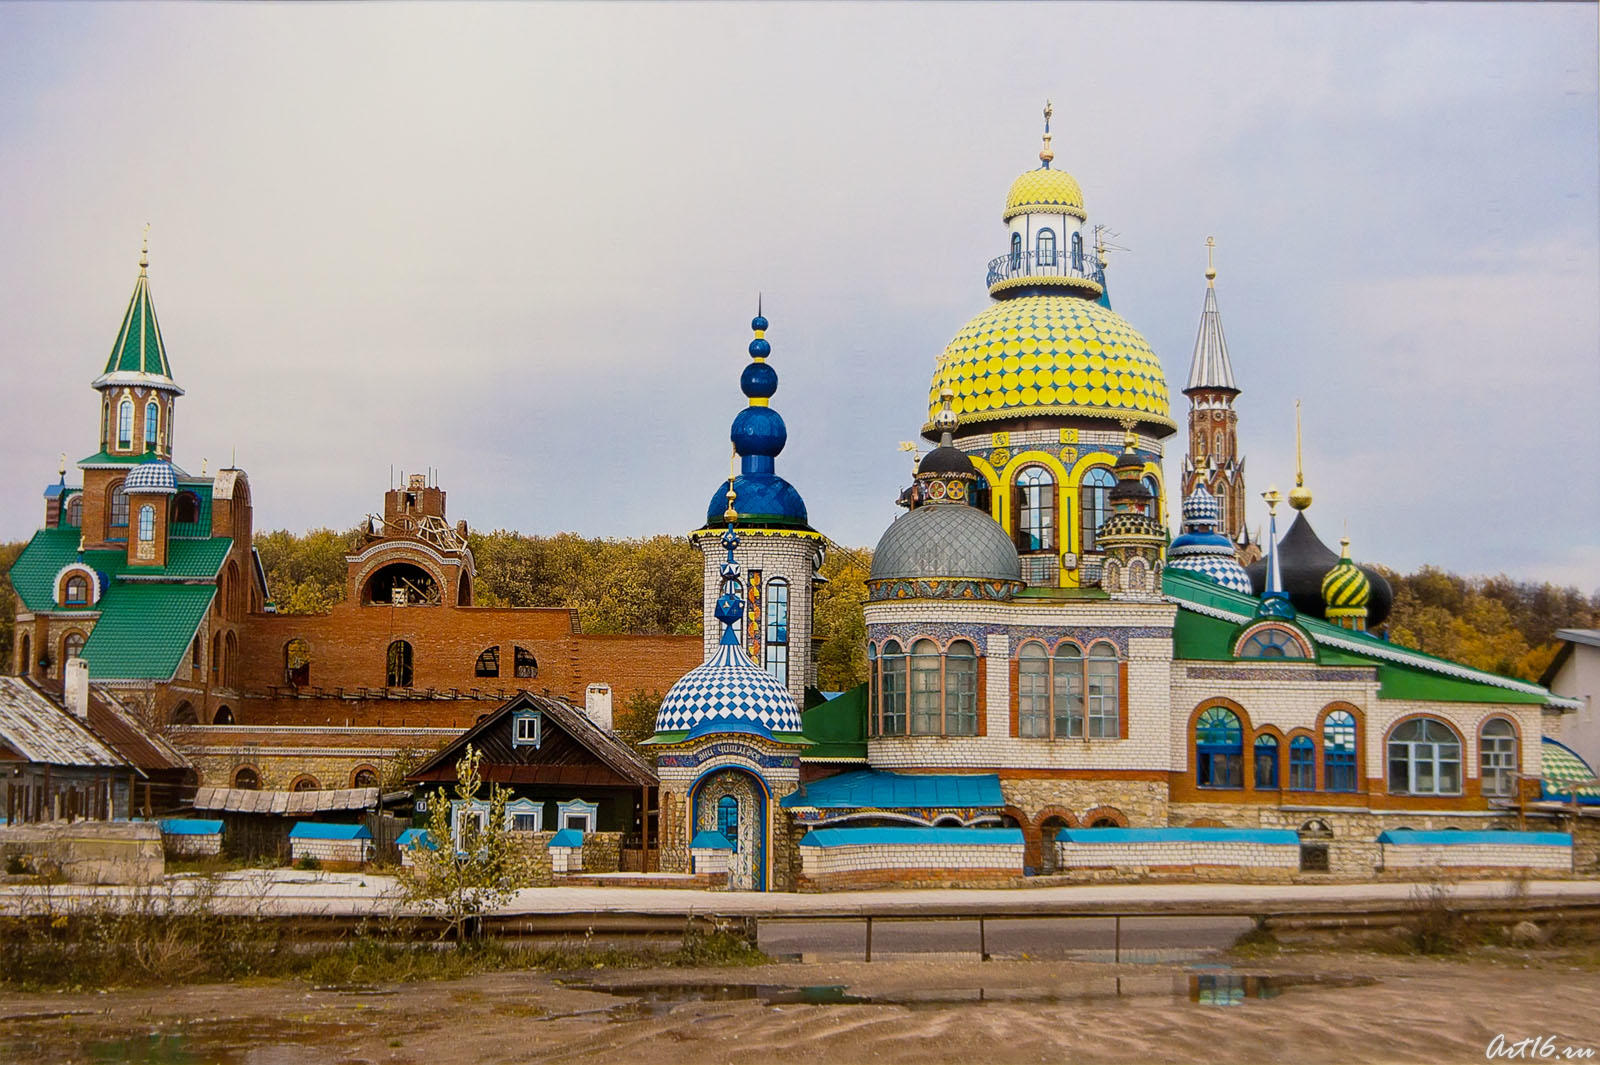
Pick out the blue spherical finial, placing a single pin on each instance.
(759, 348)
(759, 431)
(758, 323)
(759, 381)
(729, 608)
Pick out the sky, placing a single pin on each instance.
(521, 245)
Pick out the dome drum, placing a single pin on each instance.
(1067, 271)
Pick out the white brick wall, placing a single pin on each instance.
(710, 859)
(1176, 852)
(1475, 855)
(789, 557)
(193, 846)
(329, 850)
(821, 861)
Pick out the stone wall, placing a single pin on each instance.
(1483, 857)
(1244, 860)
(89, 852)
(331, 851)
(602, 852)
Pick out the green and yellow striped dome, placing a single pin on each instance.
(1051, 355)
(1345, 587)
(1044, 189)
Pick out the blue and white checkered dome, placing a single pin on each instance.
(728, 693)
(1200, 507)
(151, 478)
(1210, 555)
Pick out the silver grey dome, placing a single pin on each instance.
(945, 540)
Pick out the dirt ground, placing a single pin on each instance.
(923, 1009)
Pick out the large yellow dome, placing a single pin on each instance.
(1044, 189)
(1049, 356)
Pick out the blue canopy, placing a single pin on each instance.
(710, 841)
(1452, 837)
(567, 837)
(878, 790)
(183, 826)
(1282, 837)
(911, 837)
(416, 837)
(319, 830)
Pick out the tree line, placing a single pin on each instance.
(652, 585)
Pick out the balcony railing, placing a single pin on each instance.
(1018, 264)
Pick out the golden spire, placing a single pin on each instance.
(1211, 263)
(61, 468)
(1344, 549)
(1273, 498)
(1299, 495)
(731, 515)
(144, 251)
(1046, 153)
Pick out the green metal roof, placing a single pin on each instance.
(1210, 615)
(837, 728)
(139, 348)
(106, 458)
(145, 630)
(34, 572)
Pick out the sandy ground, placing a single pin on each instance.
(1417, 1010)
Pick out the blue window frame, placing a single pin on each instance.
(1045, 244)
(1094, 503)
(1302, 764)
(777, 634)
(1339, 752)
(1272, 642)
(1016, 250)
(527, 728)
(1077, 252)
(1266, 761)
(728, 819)
(1218, 749)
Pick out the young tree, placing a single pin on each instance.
(465, 874)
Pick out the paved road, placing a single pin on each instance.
(1143, 938)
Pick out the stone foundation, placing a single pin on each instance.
(89, 852)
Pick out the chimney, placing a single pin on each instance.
(77, 688)
(597, 704)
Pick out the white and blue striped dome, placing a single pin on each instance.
(728, 693)
(1209, 554)
(1200, 508)
(151, 478)
(1226, 571)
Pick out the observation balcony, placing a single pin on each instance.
(1080, 270)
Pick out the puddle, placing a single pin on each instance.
(209, 1043)
(1198, 988)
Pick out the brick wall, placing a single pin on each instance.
(1246, 859)
(1484, 856)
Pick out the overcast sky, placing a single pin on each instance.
(522, 244)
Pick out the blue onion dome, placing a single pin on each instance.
(151, 478)
(759, 435)
(1303, 561)
(1203, 550)
(1201, 507)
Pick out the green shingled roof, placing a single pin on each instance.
(34, 573)
(837, 728)
(139, 348)
(145, 630)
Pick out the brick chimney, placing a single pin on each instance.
(76, 688)
(597, 704)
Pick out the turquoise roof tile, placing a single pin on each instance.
(138, 347)
(145, 630)
(879, 790)
(911, 837)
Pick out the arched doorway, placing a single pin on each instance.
(733, 802)
(1050, 826)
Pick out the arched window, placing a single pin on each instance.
(27, 664)
(1217, 449)
(1094, 503)
(1272, 642)
(230, 660)
(1218, 749)
(1266, 762)
(247, 778)
(1222, 506)
(71, 647)
(1047, 247)
(1151, 486)
(125, 425)
(728, 819)
(147, 523)
(73, 515)
(488, 662)
(77, 591)
(1067, 691)
(1077, 252)
(305, 783)
(364, 777)
(224, 716)
(119, 508)
(777, 629)
(152, 424)
(297, 662)
(1036, 519)
(185, 508)
(398, 671)
(183, 714)
(1104, 686)
(523, 664)
(1302, 764)
(1497, 757)
(216, 657)
(924, 688)
(1424, 759)
(1033, 692)
(960, 690)
(1016, 250)
(892, 693)
(1339, 752)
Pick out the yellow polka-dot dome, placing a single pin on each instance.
(1044, 189)
(1051, 355)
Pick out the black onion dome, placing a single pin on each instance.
(947, 462)
(1304, 560)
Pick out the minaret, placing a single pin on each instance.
(1274, 600)
(1213, 423)
(137, 396)
(779, 551)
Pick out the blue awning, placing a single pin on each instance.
(877, 790)
(181, 826)
(1452, 837)
(710, 841)
(912, 837)
(567, 837)
(1282, 837)
(319, 830)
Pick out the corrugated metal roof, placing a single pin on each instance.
(290, 803)
(321, 830)
(877, 790)
(144, 630)
(1448, 838)
(40, 731)
(180, 826)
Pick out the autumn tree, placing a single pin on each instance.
(838, 621)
